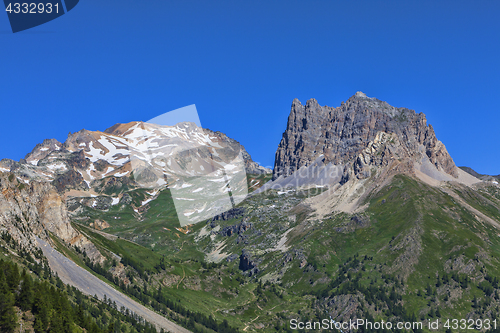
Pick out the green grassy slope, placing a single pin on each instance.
(413, 254)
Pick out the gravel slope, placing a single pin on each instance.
(72, 274)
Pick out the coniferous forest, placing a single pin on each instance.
(42, 303)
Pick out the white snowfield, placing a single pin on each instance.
(72, 274)
(57, 166)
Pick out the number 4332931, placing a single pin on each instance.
(32, 8)
(470, 324)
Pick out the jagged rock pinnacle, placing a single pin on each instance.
(341, 134)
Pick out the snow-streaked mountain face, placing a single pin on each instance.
(199, 166)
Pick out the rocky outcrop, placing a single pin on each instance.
(339, 135)
(343, 307)
(114, 185)
(35, 209)
(247, 264)
(75, 205)
(99, 224)
(8, 165)
(236, 229)
(354, 223)
(68, 181)
(42, 150)
(232, 257)
(230, 214)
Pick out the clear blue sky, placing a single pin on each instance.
(243, 62)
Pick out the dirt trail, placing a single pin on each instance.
(183, 276)
(105, 234)
(470, 208)
(102, 233)
(72, 274)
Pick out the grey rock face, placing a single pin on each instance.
(34, 209)
(232, 257)
(230, 214)
(42, 150)
(246, 262)
(480, 176)
(69, 180)
(340, 134)
(236, 229)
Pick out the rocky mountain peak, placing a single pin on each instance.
(42, 150)
(360, 94)
(119, 128)
(340, 134)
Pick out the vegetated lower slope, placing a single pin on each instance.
(36, 210)
(415, 253)
(421, 257)
(153, 225)
(33, 299)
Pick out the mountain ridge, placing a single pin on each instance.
(106, 153)
(480, 176)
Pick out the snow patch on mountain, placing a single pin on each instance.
(57, 166)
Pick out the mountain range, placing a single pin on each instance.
(364, 216)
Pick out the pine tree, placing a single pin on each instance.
(41, 308)
(12, 276)
(8, 318)
(79, 316)
(111, 328)
(429, 290)
(38, 326)
(25, 298)
(56, 323)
